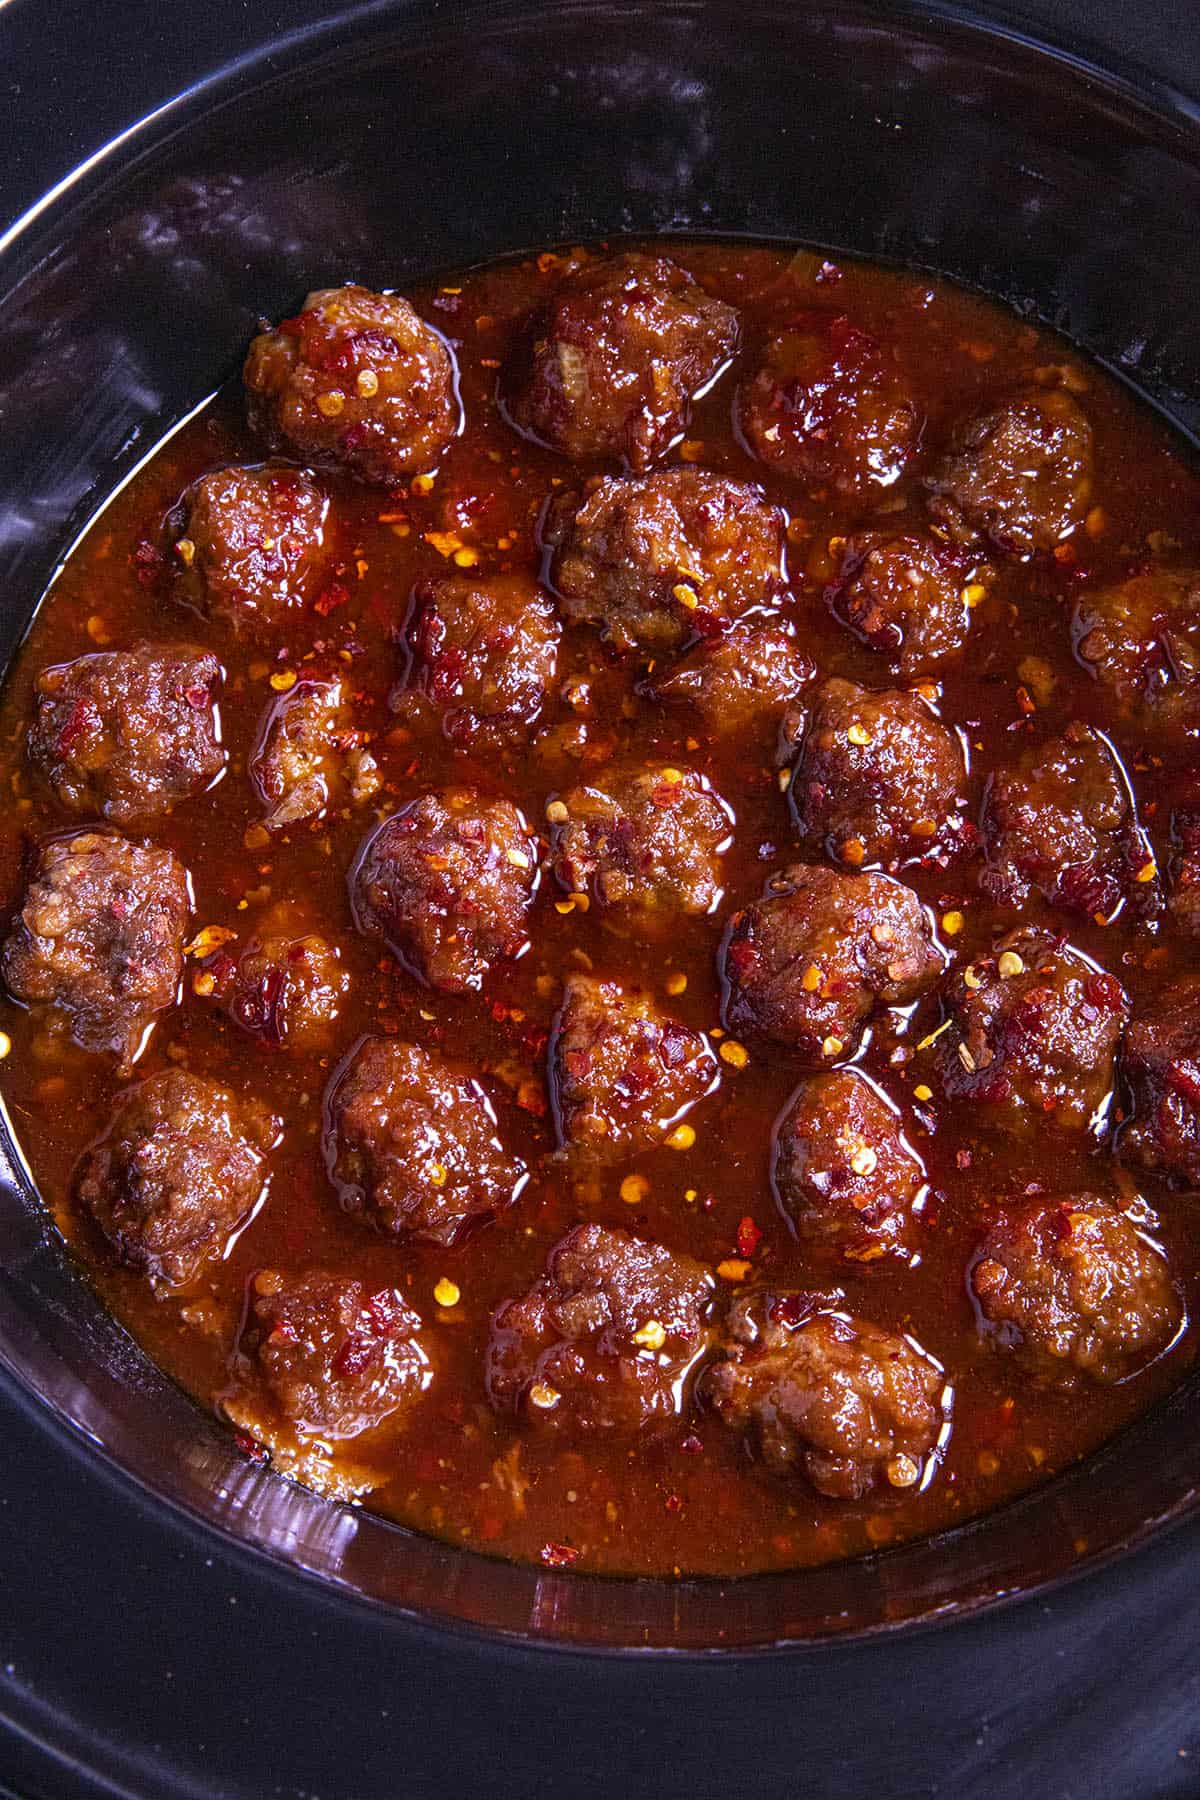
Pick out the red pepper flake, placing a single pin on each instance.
(749, 1237)
(251, 1447)
(692, 1445)
(559, 1556)
(331, 596)
(674, 1503)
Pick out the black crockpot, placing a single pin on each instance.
(381, 145)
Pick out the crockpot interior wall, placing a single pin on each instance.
(410, 141)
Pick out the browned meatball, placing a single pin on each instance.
(1020, 476)
(648, 842)
(852, 1406)
(905, 597)
(1060, 819)
(482, 656)
(412, 1146)
(659, 560)
(336, 1358)
(1141, 640)
(179, 1170)
(621, 1071)
(739, 683)
(878, 779)
(128, 733)
(1161, 1066)
(1033, 1035)
(807, 963)
(842, 1169)
(605, 1340)
(1185, 869)
(616, 358)
(285, 991)
(355, 378)
(310, 758)
(1068, 1283)
(448, 883)
(100, 935)
(250, 545)
(827, 406)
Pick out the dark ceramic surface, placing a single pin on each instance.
(166, 1662)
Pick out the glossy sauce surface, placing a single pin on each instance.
(687, 1495)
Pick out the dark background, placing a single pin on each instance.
(139, 1657)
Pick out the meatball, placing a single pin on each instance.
(842, 1169)
(649, 842)
(180, 1169)
(285, 991)
(1060, 819)
(1161, 1067)
(737, 683)
(877, 779)
(251, 545)
(827, 407)
(128, 733)
(1067, 1282)
(905, 597)
(852, 1406)
(621, 1071)
(1185, 871)
(310, 758)
(447, 883)
(616, 358)
(659, 560)
(806, 965)
(355, 378)
(336, 1358)
(100, 936)
(605, 1339)
(1141, 641)
(1033, 1035)
(483, 656)
(412, 1147)
(1019, 476)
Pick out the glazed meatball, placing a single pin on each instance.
(250, 546)
(1033, 1035)
(621, 1071)
(1141, 641)
(806, 965)
(852, 1406)
(905, 597)
(128, 733)
(657, 561)
(648, 842)
(605, 1340)
(412, 1147)
(447, 883)
(180, 1169)
(310, 758)
(1020, 476)
(842, 1170)
(827, 407)
(1185, 870)
(1060, 820)
(482, 656)
(358, 379)
(877, 780)
(100, 936)
(1069, 1284)
(1161, 1067)
(285, 991)
(616, 358)
(737, 684)
(336, 1358)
